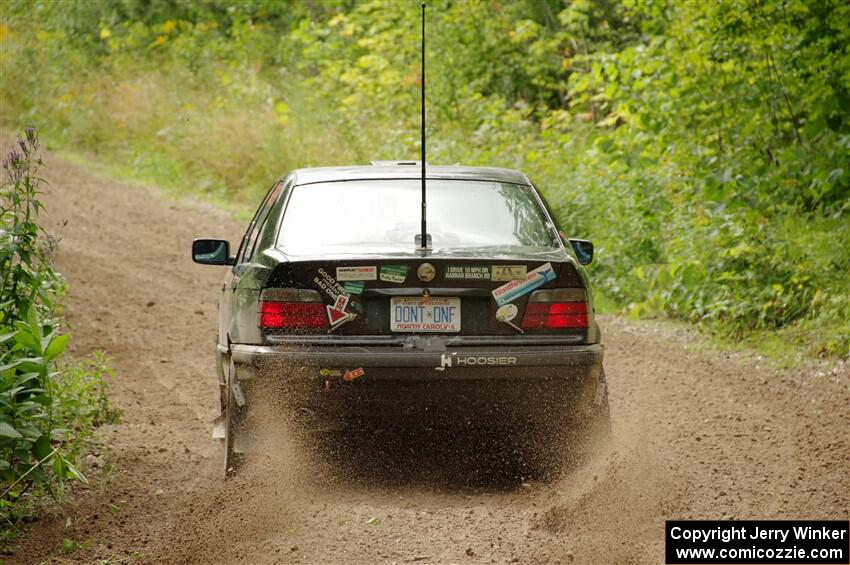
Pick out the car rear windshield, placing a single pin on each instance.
(377, 215)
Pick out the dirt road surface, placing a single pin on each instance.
(697, 433)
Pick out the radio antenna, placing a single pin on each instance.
(423, 237)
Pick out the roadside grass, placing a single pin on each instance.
(167, 181)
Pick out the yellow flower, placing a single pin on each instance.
(105, 33)
(169, 26)
(160, 40)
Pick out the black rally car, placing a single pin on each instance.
(332, 299)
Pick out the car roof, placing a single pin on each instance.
(410, 170)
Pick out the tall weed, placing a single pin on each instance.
(47, 410)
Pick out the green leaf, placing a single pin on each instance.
(41, 448)
(8, 431)
(56, 347)
(32, 322)
(25, 338)
(59, 467)
(7, 336)
(73, 473)
(29, 431)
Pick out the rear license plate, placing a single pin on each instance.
(416, 314)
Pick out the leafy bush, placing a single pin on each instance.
(705, 147)
(46, 411)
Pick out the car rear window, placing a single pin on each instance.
(385, 215)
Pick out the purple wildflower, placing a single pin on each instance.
(14, 165)
(32, 137)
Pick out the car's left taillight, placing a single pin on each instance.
(291, 309)
(558, 308)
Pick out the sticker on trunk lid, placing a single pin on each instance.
(353, 287)
(506, 314)
(508, 272)
(514, 289)
(359, 273)
(337, 293)
(329, 286)
(468, 272)
(394, 273)
(426, 272)
(337, 313)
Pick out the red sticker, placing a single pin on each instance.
(353, 374)
(337, 316)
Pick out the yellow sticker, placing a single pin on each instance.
(507, 272)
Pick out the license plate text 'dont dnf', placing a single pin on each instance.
(417, 314)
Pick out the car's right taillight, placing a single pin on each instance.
(554, 309)
(291, 308)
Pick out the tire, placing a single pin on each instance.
(574, 440)
(594, 434)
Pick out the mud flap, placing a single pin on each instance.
(599, 397)
(218, 427)
(238, 395)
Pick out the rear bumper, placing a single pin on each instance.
(545, 386)
(467, 362)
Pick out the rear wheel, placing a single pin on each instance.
(593, 432)
(578, 437)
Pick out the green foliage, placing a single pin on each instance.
(705, 147)
(46, 411)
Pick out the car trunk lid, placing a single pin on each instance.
(437, 294)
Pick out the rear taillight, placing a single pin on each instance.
(291, 308)
(560, 308)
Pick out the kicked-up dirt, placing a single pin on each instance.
(696, 433)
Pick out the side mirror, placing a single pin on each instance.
(212, 252)
(583, 249)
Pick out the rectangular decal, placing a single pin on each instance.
(514, 289)
(508, 272)
(353, 287)
(468, 272)
(360, 273)
(458, 360)
(394, 273)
